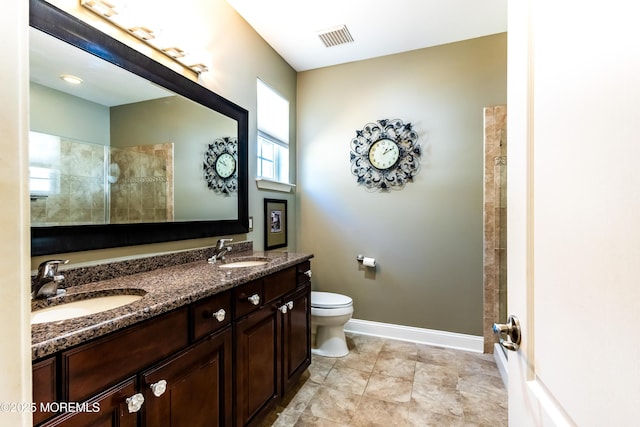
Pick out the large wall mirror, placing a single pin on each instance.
(118, 160)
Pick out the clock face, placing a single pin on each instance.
(383, 154)
(225, 165)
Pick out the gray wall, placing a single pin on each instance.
(58, 113)
(427, 238)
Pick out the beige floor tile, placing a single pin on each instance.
(374, 412)
(333, 405)
(440, 400)
(348, 380)
(389, 389)
(443, 376)
(306, 420)
(356, 360)
(392, 367)
(403, 347)
(367, 344)
(419, 417)
(436, 355)
(372, 386)
(320, 367)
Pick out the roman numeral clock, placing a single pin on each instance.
(385, 155)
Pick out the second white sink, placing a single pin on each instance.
(247, 263)
(81, 308)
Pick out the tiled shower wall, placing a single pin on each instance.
(140, 181)
(81, 199)
(143, 191)
(495, 221)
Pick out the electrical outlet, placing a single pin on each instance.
(250, 223)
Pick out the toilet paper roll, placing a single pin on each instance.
(369, 262)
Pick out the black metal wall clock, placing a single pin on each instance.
(385, 155)
(220, 165)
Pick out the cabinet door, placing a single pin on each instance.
(296, 336)
(192, 388)
(44, 388)
(110, 410)
(257, 367)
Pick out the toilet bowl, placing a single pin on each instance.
(329, 313)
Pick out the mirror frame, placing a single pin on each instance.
(49, 240)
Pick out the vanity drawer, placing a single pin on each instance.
(94, 366)
(245, 297)
(211, 314)
(279, 284)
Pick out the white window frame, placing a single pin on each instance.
(278, 145)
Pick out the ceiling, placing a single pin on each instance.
(378, 27)
(104, 83)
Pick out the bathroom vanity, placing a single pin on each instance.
(206, 345)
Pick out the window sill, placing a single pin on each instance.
(267, 184)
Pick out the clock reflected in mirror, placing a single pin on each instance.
(385, 155)
(220, 166)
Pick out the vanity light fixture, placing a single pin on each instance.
(74, 80)
(143, 33)
(199, 68)
(123, 16)
(174, 52)
(100, 7)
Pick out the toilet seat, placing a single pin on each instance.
(329, 300)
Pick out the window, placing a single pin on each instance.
(44, 164)
(273, 134)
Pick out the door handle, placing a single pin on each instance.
(509, 333)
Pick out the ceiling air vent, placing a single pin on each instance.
(335, 36)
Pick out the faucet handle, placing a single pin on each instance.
(50, 267)
(220, 243)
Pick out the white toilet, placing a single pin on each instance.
(329, 313)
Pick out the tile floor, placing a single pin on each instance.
(385, 382)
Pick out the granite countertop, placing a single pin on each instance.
(164, 289)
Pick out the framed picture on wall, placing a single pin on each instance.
(275, 223)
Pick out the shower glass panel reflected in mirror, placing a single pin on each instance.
(75, 182)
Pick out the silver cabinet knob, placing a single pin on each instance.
(134, 403)
(254, 299)
(509, 333)
(158, 388)
(308, 273)
(220, 315)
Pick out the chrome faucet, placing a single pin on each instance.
(220, 251)
(48, 279)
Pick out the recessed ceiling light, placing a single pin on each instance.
(71, 79)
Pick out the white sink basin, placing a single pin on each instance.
(241, 264)
(81, 308)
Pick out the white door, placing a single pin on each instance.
(574, 212)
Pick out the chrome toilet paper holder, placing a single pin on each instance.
(371, 261)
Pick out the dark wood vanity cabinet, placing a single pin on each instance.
(110, 410)
(196, 389)
(221, 361)
(272, 341)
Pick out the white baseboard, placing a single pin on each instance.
(501, 362)
(418, 335)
